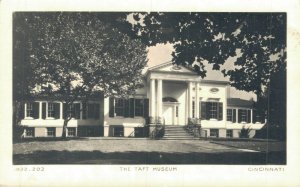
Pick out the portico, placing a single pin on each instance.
(180, 87)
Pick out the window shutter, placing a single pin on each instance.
(131, 105)
(77, 110)
(239, 116)
(89, 111)
(220, 111)
(44, 110)
(126, 108)
(111, 107)
(208, 108)
(203, 110)
(35, 107)
(234, 115)
(21, 110)
(84, 111)
(248, 116)
(97, 111)
(146, 108)
(56, 110)
(65, 109)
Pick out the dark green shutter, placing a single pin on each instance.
(248, 116)
(220, 111)
(111, 107)
(84, 111)
(203, 110)
(234, 115)
(126, 108)
(65, 109)
(131, 104)
(44, 110)
(56, 110)
(146, 108)
(36, 107)
(97, 111)
(239, 116)
(77, 110)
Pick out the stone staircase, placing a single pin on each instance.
(176, 132)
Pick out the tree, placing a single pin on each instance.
(75, 56)
(257, 39)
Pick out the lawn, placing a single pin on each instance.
(263, 146)
(145, 151)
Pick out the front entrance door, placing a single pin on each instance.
(169, 113)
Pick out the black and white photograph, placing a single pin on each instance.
(149, 88)
(150, 91)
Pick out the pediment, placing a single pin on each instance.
(169, 67)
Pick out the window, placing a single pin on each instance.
(29, 132)
(214, 133)
(176, 111)
(29, 110)
(71, 111)
(51, 110)
(229, 114)
(244, 115)
(213, 110)
(119, 107)
(51, 132)
(138, 107)
(93, 110)
(128, 107)
(229, 134)
(118, 131)
(71, 131)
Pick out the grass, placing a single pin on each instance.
(264, 146)
(145, 151)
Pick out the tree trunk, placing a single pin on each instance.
(64, 130)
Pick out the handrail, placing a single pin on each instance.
(159, 129)
(194, 127)
(131, 134)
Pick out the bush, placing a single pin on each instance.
(244, 133)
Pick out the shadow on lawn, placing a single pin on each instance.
(133, 157)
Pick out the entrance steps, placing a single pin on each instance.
(176, 132)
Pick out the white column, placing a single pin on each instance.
(190, 99)
(159, 98)
(25, 110)
(197, 101)
(61, 110)
(236, 115)
(152, 98)
(40, 110)
(187, 105)
(47, 110)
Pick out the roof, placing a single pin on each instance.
(240, 102)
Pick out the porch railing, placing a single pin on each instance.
(194, 127)
(159, 128)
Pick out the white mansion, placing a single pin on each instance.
(172, 95)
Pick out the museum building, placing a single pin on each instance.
(172, 95)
